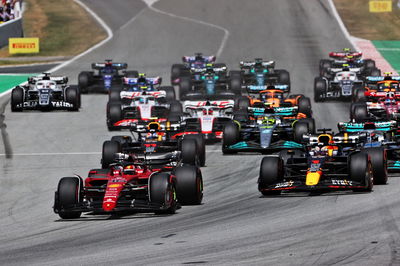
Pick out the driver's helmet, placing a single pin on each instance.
(384, 86)
(117, 170)
(390, 101)
(108, 69)
(152, 136)
(345, 67)
(142, 79)
(198, 57)
(130, 169)
(269, 121)
(209, 68)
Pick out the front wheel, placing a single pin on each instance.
(17, 99)
(360, 171)
(189, 185)
(230, 136)
(162, 192)
(72, 96)
(271, 172)
(68, 196)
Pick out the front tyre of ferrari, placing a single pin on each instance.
(189, 185)
(69, 195)
(163, 192)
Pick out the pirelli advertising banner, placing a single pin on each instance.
(23, 45)
(380, 6)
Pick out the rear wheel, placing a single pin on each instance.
(369, 63)
(375, 72)
(359, 112)
(110, 148)
(379, 164)
(169, 93)
(176, 107)
(114, 114)
(360, 171)
(84, 80)
(283, 76)
(235, 82)
(189, 151)
(176, 72)
(185, 85)
(319, 89)
(242, 103)
(200, 145)
(162, 191)
(115, 94)
(299, 129)
(324, 65)
(271, 172)
(69, 195)
(359, 95)
(189, 185)
(230, 137)
(304, 104)
(17, 99)
(123, 140)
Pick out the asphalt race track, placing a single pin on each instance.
(235, 225)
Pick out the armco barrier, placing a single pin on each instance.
(10, 29)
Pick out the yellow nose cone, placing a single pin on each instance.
(312, 179)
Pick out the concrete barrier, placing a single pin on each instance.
(10, 29)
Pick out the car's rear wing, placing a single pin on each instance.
(200, 104)
(57, 79)
(149, 81)
(207, 59)
(279, 111)
(258, 88)
(203, 70)
(144, 127)
(117, 66)
(384, 126)
(250, 64)
(340, 55)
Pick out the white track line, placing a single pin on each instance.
(341, 24)
(226, 32)
(105, 27)
(365, 46)
(101, 22)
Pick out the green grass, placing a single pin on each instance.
(64, 28)
(371, 26)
